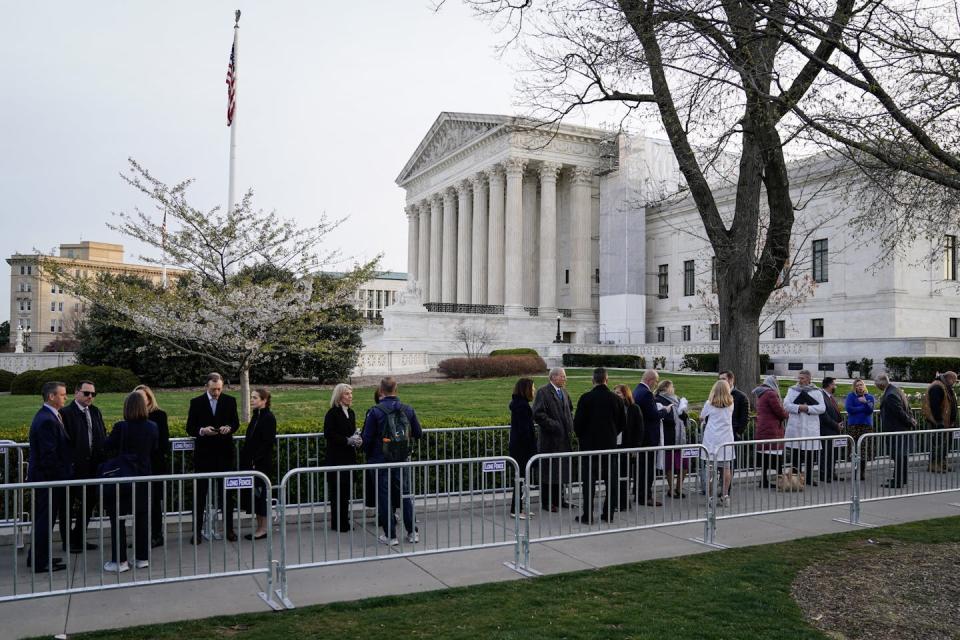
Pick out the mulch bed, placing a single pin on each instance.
(884, 589)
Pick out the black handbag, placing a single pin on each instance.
(122, 465)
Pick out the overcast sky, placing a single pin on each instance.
(333, 98)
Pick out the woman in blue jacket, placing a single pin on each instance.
(859, 406)
(523, 438)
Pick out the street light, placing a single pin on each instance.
(558, 339)
(26, 339)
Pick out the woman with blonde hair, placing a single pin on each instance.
(160, 463)
(340, 432)
(717, 415)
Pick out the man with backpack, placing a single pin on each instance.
(387, 431)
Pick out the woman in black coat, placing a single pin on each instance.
(631, 438)
(340, 431)
(523, 437)
(160, 463)
(257, 455)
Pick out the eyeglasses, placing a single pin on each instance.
(89, 394)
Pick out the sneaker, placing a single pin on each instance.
(725, 501)
(143, 564)
(390, 542)
(113, 567)
(414, 537)
(522, 516)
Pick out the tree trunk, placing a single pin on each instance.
(740, 339)
(245, 393)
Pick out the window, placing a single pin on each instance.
(23, 307)
(685, 333)
(53, 327)
(76, 273)
(596, 275)
(23, 269)
(53, 288)
(29, 304)
(714, 331)
(820, 261)
(60, 305)
(60, 326)
(566, 276)
(660, 334)
(950, 258)
(29, 272)
(688, 278)
(53, 306)
(816, 328)
(713, 274)
(663, 283)
(780, 329)
(953, 327)
(76, 307)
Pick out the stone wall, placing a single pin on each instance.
(20, 362)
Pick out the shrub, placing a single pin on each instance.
(898, 367)
(61, 345)
(612, 361)
(107, 379)
(866, 368)
(492, 367)
(518, 351)
(852, 365)
(701, 362)
(764, 363)
(924, 369)
(6, 377)
(660, 362)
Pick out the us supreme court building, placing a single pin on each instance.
(514, 231)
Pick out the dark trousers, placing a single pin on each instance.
(338, 490)
(592, 469)
(519, 487)
(49, 506)
(939, 447)
(200, 504)
(118, 530)
(156, 510)
(806, 457)
(81, 510)
(393, 487)
(646, 473)
(626, 469)
(767, 461)
(828, 461)
(899, 453)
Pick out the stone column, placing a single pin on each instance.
(412, 243)
(513, 238)
(478, 284)
(449, 270)
(548, 239)
(531, 240)
(436, 251)
(423, 255)
(464, 245)
(495, 242)
(581, 196)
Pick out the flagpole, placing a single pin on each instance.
(231, 198)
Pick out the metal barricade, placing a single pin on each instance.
(595, 492)
(906, 463)
(754, 470)
(161, 551)
(344, 514)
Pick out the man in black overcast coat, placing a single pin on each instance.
(212, 420)
(600, 416)
(83, 423)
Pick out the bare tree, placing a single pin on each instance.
(752, 80)
(474, 338)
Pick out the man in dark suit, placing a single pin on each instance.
(643, 396)
(84, 425)
(212, 420)
(50, 460)
(831, 423)
(553, 413)
(895, 415)
(599, 418)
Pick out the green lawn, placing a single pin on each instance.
(736, 593)
(457, 403)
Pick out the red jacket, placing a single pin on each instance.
(770, 416)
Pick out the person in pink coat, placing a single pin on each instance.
(770, 419)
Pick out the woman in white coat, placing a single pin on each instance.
(804, 404)
(717, 414)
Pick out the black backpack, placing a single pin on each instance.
(396, 435)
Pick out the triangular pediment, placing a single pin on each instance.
(450, 132)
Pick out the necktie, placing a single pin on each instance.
(86, 413)
(559, 394)
(213, 407)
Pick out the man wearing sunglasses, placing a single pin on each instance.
(84, 425)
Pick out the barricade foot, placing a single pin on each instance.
(712, 545)
(270, 601)
(865, 525)
(526, 572)
(286, 601)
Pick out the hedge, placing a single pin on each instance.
(106, 379)
(491, 367)
(701, 362)
(603, 360)
(919, 369)
(518, 351)
(6, 377)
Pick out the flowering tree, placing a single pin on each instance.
(225, 309)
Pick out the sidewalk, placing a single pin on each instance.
(392, 576)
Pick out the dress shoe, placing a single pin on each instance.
(156, 542)
(583, 520)
(653, 503)
(55, 567)
(231, 536)
(250, 536)
(891, 484)
(554, 509)
(196, 539)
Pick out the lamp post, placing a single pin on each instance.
(558, 339)
(26, 339)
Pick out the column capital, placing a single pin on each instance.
(478, 179)
(494, 172)
(449, 195)
(464, 186)
(581, 175)
(435, 198)
(411, 210)
(424, 205)
(549, 171)
(514, 166)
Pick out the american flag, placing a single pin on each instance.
(231, 84)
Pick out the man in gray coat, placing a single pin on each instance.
(553, 413)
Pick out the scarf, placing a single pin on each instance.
(679, 425)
